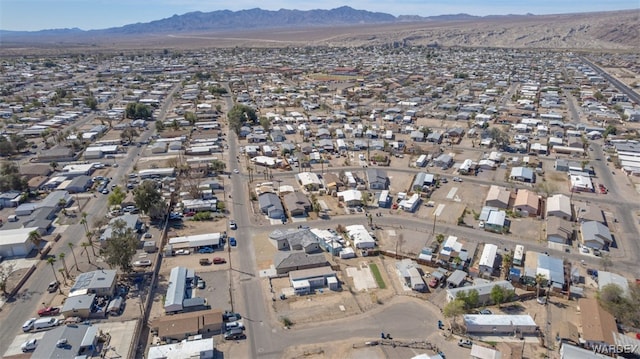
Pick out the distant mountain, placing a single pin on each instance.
(348, 26)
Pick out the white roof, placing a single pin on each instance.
(198, 240)
(351, 195)
(184, 349)
(308, 178)
(484, 352)
(499, 320)
(559, 203)
(16, 236)
(488, 256)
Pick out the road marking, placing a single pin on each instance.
(452, 192)
(439, 210)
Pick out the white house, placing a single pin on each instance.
(360, 236)
(15, 242)
(351, 197)
(488, 258)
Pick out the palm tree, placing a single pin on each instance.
(64, 264)
(539, 279)
(75, 260)
(89, 235)
(50, 261)
(84, 246)
(64, 279)
(36, 239)
(83, 221)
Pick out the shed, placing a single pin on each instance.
(456, 278)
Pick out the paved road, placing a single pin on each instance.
(633, 96)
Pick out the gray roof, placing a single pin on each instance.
(296, 200)
(81, 339)
(457, 277)
(131, 221)
(80, 181)
(177, 287)
(297, 259)
(553, 266)
(78, 302)
(596, 231)
(98, 279)
(269, 199)
(53, 198)
(482, 289)
(377, 175)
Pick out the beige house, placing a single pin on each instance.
(527, 203)
(498, 197)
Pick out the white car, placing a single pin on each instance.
(28, 325)
(235, 324)
(142, 263)
(183, 252)
(29, 345)
(236, 171)
(481, 224)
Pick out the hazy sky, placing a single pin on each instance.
(100, 14)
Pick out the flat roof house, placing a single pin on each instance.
(598, 325)
(80, 341)
(183, 325)
(286, 262)
(488, 258)
(309, 181)
(100, 282)
(15, 242)
(351, 197)
(499, 324)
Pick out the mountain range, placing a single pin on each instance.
(348, 26)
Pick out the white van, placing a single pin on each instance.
(12, 218)
(45, 323)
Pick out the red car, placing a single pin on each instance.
(49, 311)
(218, 260)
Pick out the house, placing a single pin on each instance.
(595, 235)
(297, 204)
(100, 282)
(495, 324)
(488, 259)
(81, 306)
(559, 205)
(496, 222)
(16, 242)
(79, 184)
(497, 197)
(467, 167)
(558, 230)
(309, 181)
(332, 182)
(306, 281)
(444, 161)
(360, 236)
(580, 183)
(568, 351)
(81, 341)
(522, 174)
(410, 204)
(384, 199)
(131, 222)
(551, 269)
(296, 240)
(483, 289)
(605, 278)
(286, 262)
(409, 272)
(10, 199)
(480, 352)
(351, 197)
(421, 180)
(188, 348)
(527, 203)
(178, 297)
(456, 279)
(598, 325)
(377, 179)
(184, 325)
(270, 205)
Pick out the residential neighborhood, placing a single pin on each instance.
(246, 202)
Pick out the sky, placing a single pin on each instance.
(31, 15)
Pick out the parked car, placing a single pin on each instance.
(205, 250)
(457, 179)
(485, 312)
(228, 316)
(182, 252)
(28, 325)
(218, 260)
(201, 284)
(233, 225)
(236, 171)
(465, 343)
(232, 241)
(205, 261)
(234, 334)
(29, 345)
(53, 286)
(481, 224)
(142, 263)
(234, 324)
(105, 191)
(49, 311)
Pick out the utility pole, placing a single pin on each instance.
(435, 216)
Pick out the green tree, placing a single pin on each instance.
(64, 263)
(218, 166)
(51, 261)
(10, 178)
(128, 134)
(623, 306)
(453, 310)
(239, 115)
(137, 111)
(121, 246)
(473, 298)
(6, 147)
(610, 130)
(84, 246)
(497, 295)
(116, 196)
(159, 126)
(190, 117)
(91, 102)
(146, 196)
(539, 280)
(265, 123)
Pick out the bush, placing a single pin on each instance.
(202, 216)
